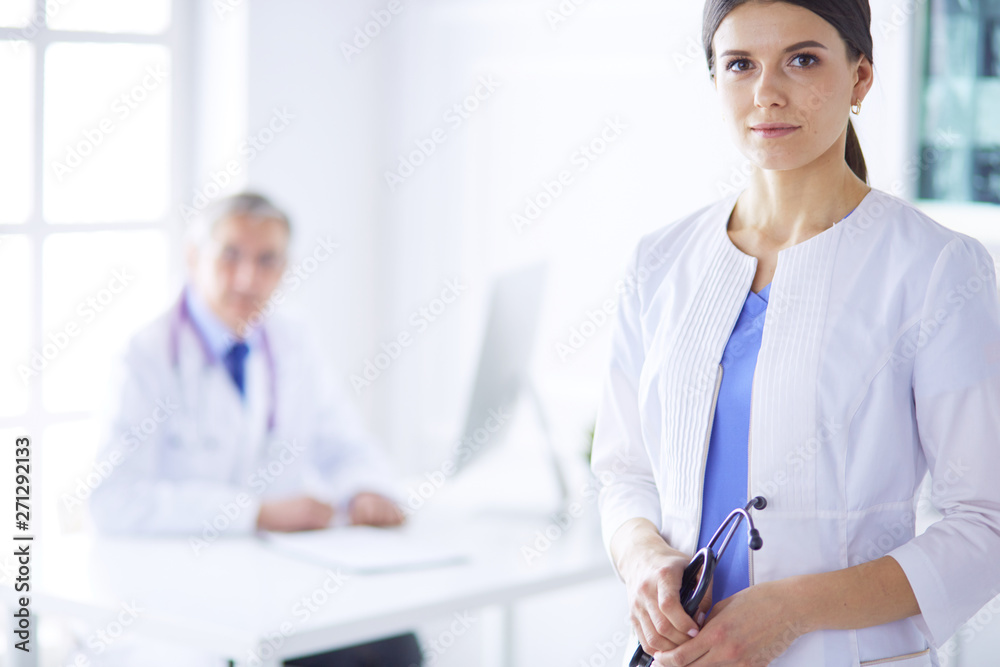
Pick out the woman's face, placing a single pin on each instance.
(786, 84)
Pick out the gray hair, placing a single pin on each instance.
(244, 204)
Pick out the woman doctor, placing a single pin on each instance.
(821, 344)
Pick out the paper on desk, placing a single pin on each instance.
(364, 549)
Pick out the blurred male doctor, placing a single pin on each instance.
(248, 434)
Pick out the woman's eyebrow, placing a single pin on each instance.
(810, 44)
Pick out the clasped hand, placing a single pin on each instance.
(749, 629)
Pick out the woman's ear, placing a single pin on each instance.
(864, 77)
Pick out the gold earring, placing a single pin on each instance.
(856, 108)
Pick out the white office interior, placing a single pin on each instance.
(437, 147)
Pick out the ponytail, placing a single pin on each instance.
(852, 153)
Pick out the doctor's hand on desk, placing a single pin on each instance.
(371, 509)
(294, 514)
(652, 572)
(306, 513)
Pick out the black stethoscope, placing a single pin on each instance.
(698, 573)
(183, 316)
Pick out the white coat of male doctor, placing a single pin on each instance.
(222, 427)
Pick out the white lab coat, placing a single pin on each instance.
(197, 458)
(880, 361)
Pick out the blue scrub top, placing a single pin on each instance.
(726, 471)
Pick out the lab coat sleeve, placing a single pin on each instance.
(135, 498)
(954, 567)
(346, 455)
(619, 459)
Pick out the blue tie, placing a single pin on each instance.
(234, 360)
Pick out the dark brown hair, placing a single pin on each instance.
(851, 18)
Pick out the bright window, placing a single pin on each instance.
(88, 162)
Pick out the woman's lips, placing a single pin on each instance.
(773, 131)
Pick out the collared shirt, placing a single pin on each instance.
(214, 332)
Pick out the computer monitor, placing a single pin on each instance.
(502, 373)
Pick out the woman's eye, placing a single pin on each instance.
(804, 60)
(741, 65)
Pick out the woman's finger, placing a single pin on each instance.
(650, 637)
(675, 625)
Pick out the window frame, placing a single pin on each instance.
(176, 39)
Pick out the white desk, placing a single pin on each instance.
(239, 594)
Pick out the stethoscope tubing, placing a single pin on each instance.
(182, 316)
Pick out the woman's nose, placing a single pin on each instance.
(769, 91)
